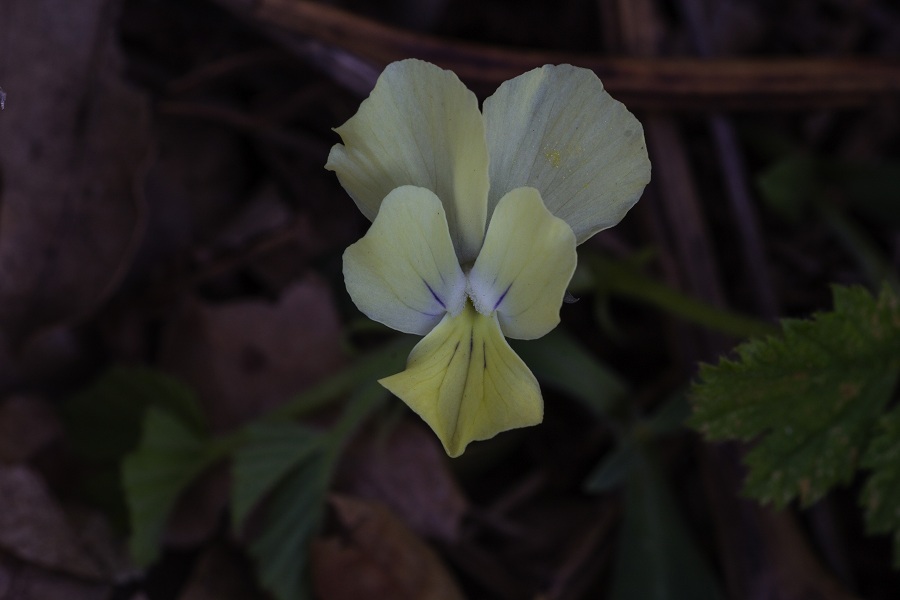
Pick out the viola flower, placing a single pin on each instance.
(475, 220)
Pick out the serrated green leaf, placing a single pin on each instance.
(810, 397)
(881, 495)
(657, 559)
(561, 362)
(270, 451)
(170, 456)
(103, 422)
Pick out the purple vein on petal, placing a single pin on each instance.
(435, 296)
(502, 296)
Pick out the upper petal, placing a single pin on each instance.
(419, 126)
(403, 272)
(524, 267)
(556, 129)
(466, 382)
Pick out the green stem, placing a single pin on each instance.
(389, 358)
(365, 401)
(623, 280)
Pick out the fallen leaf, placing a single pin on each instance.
(27, 582)
(74, 138)
(27, 424)
(377, 557)
(407, 471)
(34, 529)
(102, 543)
(243, 358)
(246, 357)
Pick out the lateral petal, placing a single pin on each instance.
(403, 272)
(465, 381)
(524, 267)
(556, 129)
(420, 126)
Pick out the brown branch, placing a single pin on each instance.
(641, 83)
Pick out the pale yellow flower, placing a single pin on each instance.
(476, 217)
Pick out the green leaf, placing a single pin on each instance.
(881, 495)
(624, 278)
(670, 417)
(294, 468)
(170, 456)
(293, 515)
(559, 361)
(795, 183)
(270, 451)
(387, 359)
(103, 422)
(798, 185)
(811, 397)
(790, 185)
(657, 558)
(612, 470)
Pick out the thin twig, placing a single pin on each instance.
(642, 83)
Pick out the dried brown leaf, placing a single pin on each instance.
(74, 138)
(245, 357)
(406, 470)
(27, 582)
(377, 557)
(34, 529)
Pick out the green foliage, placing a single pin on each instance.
(799, 186)
(797, 182)
(882, 491)
(269, 452)
(292, 466)
(288, 464)
(150, 427)
(813, 399)
(657, 558)
(559, 361)
(627, 279)
(104, 423)
(170, 456)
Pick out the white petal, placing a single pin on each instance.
(524, 267)
(420, 126)
(403, 272)
(556, 129)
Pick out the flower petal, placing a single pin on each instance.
(556, 129)
(420, 126)
(524, 267)
(403, 272)
(466, 382)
